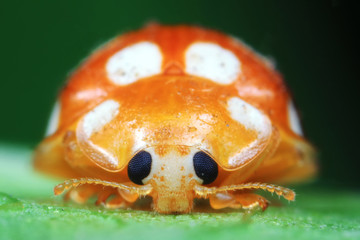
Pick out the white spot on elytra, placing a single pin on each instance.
(249, 116)
(211, 61)
(246, 153)
(100, 116)
(54, 119)
(294, 119)
(137, 61)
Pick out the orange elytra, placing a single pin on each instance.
(175, 113)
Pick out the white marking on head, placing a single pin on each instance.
(172, 177)
(139, 137)
(172, 167)
(293, 118)
(100, 116)
(249, 116)
(54, 120)
(211, 61)
(137, 61)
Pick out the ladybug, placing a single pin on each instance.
(175, 113)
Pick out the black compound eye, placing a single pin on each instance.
(139, 167)
(205, 167)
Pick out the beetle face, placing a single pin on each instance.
(172, 171)
(172, 177)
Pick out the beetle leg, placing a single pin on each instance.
(225, 196)
(117, 198)
(128, 195)
(111, 195)
(238, 200)
(116, 202)
(121, 198)
(204, 192)
(104, 195)
(80, 190)
(82, 193)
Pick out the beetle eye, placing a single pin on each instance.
(205, 167)
(139, 167)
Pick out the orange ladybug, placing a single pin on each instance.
(175, 113)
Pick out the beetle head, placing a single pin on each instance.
(172, 176)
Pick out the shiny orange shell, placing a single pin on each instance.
(175, 108)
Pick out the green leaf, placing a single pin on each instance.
(28, 210)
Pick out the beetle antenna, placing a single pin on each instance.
(280, 191)
(73, 183)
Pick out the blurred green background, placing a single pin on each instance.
(315, 47)
(312, 42)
